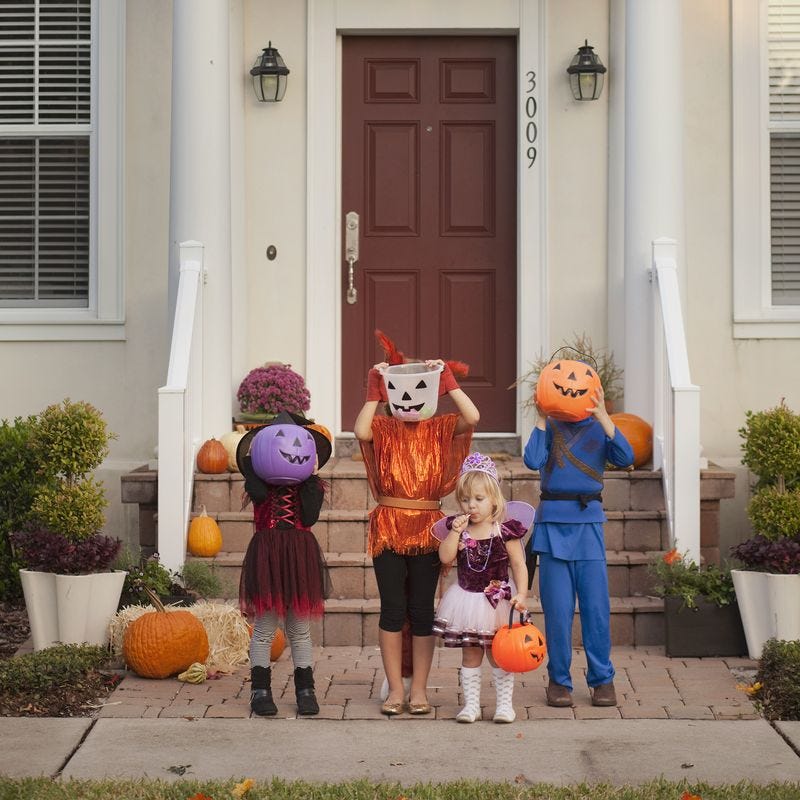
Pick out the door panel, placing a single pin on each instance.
(429, 164)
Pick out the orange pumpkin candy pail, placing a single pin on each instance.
(519, 646)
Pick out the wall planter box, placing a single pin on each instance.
(770, 607)
(710, 631)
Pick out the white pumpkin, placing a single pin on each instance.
(230, 441)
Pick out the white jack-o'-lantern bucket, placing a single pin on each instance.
(412, 389)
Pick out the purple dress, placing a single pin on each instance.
(474, 608)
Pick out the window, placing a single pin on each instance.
(766, 146)
(60, 167)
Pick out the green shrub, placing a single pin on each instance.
(51, 669)
(75, 510)
(775, 514)
(771, 447)
(18, 481)
(202, 579)
(777, 684)
(677, 577)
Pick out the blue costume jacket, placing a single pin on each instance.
(571, 457)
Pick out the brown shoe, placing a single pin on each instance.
(558, 696)
(604, 695)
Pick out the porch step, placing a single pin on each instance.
(635, 532)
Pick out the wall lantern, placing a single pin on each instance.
(586, 72)
(269, 76)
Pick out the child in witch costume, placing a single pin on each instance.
(412, 459)
(485, 540)
(284, 576)
(568, 539)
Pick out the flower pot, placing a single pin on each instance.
(70, 609)
(705, 632)
(769, 605)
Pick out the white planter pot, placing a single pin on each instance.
(71, 609)
(769, 606)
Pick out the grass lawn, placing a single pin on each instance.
(47, 789)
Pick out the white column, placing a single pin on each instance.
(200, 180)
(653, 175)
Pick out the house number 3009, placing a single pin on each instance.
(531, 131)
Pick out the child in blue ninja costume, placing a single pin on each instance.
(568, 539)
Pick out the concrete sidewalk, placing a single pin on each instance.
(677, 718)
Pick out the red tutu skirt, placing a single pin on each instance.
(283, 569)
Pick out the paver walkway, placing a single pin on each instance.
(348, 680)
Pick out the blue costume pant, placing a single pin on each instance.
(559, 583)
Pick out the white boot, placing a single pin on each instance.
(504, 686)
(471, 687)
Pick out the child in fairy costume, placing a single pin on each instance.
(284, 577)
(412, 459)
(486, 543)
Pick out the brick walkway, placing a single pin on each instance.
(649, 686)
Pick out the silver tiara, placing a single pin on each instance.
(477, 462)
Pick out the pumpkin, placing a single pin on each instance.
(212, 457)
(163, 643)
(565, 390)
(205, 537)
(278, 645)
(518, 647)
(639, 435)
(230, 441)
(282, 454)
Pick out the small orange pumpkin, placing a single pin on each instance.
(205, 536)
(212, 457)
(162, 643)
(639, 435)
(565, 390)
(518, 647)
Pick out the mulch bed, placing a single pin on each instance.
(14, 628)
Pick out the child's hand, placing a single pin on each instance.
(519, 602)
(460, 523)
(600, 413)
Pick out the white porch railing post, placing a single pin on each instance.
(677, 407)
(180, 410)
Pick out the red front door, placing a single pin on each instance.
(429, 167)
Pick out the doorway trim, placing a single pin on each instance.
(328, 21)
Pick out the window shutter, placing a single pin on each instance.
(45, 86)
(784, 123)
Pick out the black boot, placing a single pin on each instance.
(261, 701)
(304, 692)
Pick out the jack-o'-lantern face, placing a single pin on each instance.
(413, 390)
(283, 454)
(565, 390)
(519, 648)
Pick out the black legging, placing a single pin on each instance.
(407, 586)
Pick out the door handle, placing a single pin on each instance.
(351, 253)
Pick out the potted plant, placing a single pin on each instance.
(768, 588)
(267, 390)
(70, 591)
(149, 573)
(701, 616)
(578, 348)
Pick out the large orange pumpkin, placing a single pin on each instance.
(565, 390)
(162, 643)
(205, 536)
(639, 435)
(519, 647)
(212, 457)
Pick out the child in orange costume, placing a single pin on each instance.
(410, 467)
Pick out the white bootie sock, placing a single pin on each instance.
(471, 688)
(504, 686)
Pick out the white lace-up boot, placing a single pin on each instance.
(471, 687)
(504, 687)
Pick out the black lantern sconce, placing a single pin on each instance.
(269, 76)
(586, 73)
